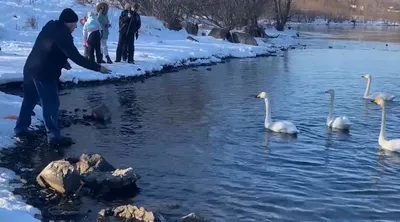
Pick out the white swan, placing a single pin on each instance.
(282, 126)
(377, 95)
(391, 145)
(340, 122)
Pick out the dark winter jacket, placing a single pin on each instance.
(53, 46)
(129, 26)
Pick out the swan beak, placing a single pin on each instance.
(363, 76)
(259, 95)
(326, 91)
(376, 101)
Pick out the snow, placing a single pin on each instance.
(12, 207)
(156, 47)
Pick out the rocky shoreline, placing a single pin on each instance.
(57, 204)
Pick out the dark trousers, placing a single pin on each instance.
(125, 43)
(47, 94)
(94, 44)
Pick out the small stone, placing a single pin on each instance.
(208, 69)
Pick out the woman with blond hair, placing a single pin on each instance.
(102, 17)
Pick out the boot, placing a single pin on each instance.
(108, 59)
(101, 59)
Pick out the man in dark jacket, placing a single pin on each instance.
(129, 24)
(42, 70)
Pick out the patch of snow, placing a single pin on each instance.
(12, 207)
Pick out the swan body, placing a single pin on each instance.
(339, 122)
(377, 95)
(391, 145)
(282, 126)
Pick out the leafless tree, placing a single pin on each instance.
(282, 10)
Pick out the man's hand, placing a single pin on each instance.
(104, 70)
(67, 66)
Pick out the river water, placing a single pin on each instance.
(197, 137)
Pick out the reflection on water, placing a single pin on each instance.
(199, 143)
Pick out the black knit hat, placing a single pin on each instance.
(68, 16)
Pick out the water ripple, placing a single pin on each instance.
(199, 143)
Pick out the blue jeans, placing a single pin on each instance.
(47, 94)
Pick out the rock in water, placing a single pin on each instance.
(61, 176)
(99, 113)
(88, 163)
(129, 213)
(106, 181)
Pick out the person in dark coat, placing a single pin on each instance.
(137, 23)
(129, 24)
(50, 53)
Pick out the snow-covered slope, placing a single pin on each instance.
(155, 48)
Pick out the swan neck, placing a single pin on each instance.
(368, 87)
(267, 111)
(382, 134)
(331, 108)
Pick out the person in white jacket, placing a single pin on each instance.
(92, 37)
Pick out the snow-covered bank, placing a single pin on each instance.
(12, 208)
(156, 47)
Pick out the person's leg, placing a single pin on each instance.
(99, 56)
(91, 45)
(130, 49)
(104, 48)
(48, 94)
(121, 42)
(29, 102)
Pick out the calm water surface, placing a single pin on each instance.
(197, 137)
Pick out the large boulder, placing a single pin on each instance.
(255, 31)
(245, 38)
(60, 175)
(173, 25)
(88, 163)
(219, 33)
(191, 28)
(89, 170)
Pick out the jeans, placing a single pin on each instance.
(47, 94)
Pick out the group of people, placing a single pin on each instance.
(96, 31)
(50, 53)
